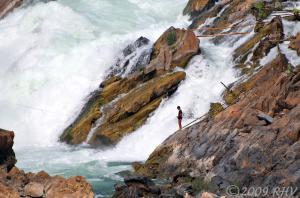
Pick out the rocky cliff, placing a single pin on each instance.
(133, 90)
(252, 140)
(15, 183)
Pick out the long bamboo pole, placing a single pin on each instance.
(224, 34)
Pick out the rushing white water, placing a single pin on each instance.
(53, 54)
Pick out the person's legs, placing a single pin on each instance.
(179, 124)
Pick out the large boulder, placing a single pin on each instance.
(8, 5)
(175, 47)
(295, 43)
(7, 155)
(34, 189)
(76, 187)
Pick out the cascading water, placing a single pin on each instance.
(53, 54)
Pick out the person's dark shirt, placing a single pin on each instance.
(179, 114)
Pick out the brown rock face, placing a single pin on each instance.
(237, 147)
(295, 43)
(7, 155)
(7, 192)
(174, 48)
(8, 5)
(195, 7)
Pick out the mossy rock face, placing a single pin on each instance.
(78, 131)
(230, 97)
(215, 109)
(132, 110)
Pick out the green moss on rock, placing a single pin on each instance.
(215, 109)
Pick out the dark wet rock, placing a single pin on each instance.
(184, 189)
(7, 155)
(136, 187)
(134, 58)
(132, 180)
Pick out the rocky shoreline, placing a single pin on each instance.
(15, 183)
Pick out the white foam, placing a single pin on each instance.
(54, 54)
(270, 56)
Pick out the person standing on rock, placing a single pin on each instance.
(179, 117)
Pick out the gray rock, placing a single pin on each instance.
(133, 58)
(265, 117)
(200, 150)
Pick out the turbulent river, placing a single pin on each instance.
(54, 53)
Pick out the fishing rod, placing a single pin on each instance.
(224, 34)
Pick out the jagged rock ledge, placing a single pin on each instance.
(15, 183)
